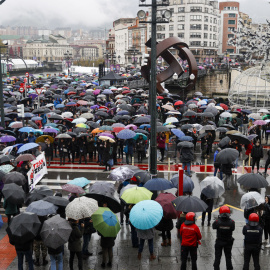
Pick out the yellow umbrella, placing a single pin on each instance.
(96, 130)
(232, 132)
(43, 138)
(106, 138)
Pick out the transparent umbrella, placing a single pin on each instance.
(251, 199)
(212, 187)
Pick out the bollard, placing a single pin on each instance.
(133, 161)
(243, 170)
(169, 168)
(205, 165)
(249, 157)
(180, 181)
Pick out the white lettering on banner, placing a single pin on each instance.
(37, 171)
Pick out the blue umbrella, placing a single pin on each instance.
(1, 222)
(66, 91)
(81, 182)
(107, 92)
(58, 106)
(186, 139)
(178, 132)
(71, 103)
(188, 184)
(146, 214)
(7, 105)
(51, 125)
(41, 208)
(145, 126)
(138, 134)
(246, 111)
(36, 118)
(123, 112)
(28, 115)
(26, 147)
(95, 83)
(158, 184)
(18, 145)
(126, 134)
(27, 129)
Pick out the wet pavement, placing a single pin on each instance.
(125, 257)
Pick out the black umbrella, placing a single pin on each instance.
(56, 200)
(227, 156)
(72, 134)
(13, 193)
(101, 113)
(252, 180)
(139, 130)
(23, 228)
(202, 135)
(141, 120)
(14, 177)
(162, 129)
(45, 191)
(56, 117)
(2, 174)
(79, 130)
(185, 144)
(33, 197)
(224, 142)
(92, 124)
(112, 203)
(222, 129)
(228, 126)
(189, 114)
(208, 114)
(4, 159)
(189, 204)
(242, 139)
(184, 120)
(142, 176)
(186, 126)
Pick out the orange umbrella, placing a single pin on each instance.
(96, 130)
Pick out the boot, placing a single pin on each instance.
(45, 262)
(169, 242)
(139, 256)
(164, 243)
(36, 262)
(152, 257)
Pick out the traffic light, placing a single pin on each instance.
(20, 110)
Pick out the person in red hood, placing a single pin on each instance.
(191, 237)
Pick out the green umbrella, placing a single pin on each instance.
(136, 194)
(6, 168)
(106, 222)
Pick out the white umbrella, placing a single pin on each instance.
(172, 120)
(219, 108)
(79, 120)
(168, 107)
(212, 187)
(82, 207)
(255, 116)
(251, 199)
(263, 111)
(225, 114)
(87, 115)
(67, 114)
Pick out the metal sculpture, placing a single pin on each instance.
(174, 66)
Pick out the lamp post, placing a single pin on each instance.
(153, 80)
(186, 87)
(68, 56)
(133, 51)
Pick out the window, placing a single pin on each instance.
(206, 10)
(160, 36)
(214, 28)
(210, 44)
(205, 35)
(210, 27)
(170, 34)
(181, 27)
(181, 18)
(195, 9)
(205, 43)
(230, 50)
(230, 35)
(214, 37)
(181, 35)
(172, 10)
(215, 20)
(171, 27)
(231, 15)
(181, 9)
(195, 27)
(210, 36)
(211, 19)
(214, 44)
(195, 43)
(206, 18)
(195, 17)
(206, 27)
(231, 29)
(231, 22)
(195, 35)
(161, 28)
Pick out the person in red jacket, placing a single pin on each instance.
(191, 237)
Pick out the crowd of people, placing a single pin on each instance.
(77, 121)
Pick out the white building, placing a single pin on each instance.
(196, 22)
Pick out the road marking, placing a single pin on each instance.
(207, 213)
(239, 209)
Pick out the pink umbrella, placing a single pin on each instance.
(249, 129)
(131, 126)
(82, 102)
(96, 92)
(73, 189)
(106, 134)
(260, 122)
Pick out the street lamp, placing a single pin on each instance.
(186, 87)
(68, 56)
(162, 18)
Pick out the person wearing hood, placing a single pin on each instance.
(140, 145)
(267, 220)
(256, 154)
(225, 227)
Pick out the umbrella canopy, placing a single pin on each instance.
(80, 181)
(188, 184)
(178, 133)
(126, 134)
(212, 187)
(23, 228)
(41, 208)
(165, 200)
(73, 189)
(142, 176)
(121, 174)
(56, 200)
(135, 195)
(7, 138)
(55, 232)
(102, 187)
(27, 147)
(106, 222)
(44, 137)
(251, 200)
(14, 177)
(186, 139)
(185, 144)
(158, 184)
(189, 204)
(44, 190)
(146, 214)
(13, 193)
(252, 180)
(63, 136)
(25, 157)
(224, 142)
(242, 139)
(82, 207)
(227, 156)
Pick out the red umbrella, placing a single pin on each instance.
(136, 105)
(82, 94)
(117, 129)
(160, 97)
(224, 106)
(179, 102)
(125, 87)
(126, 92)
(165, 200)
(71, 93)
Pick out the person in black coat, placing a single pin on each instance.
(140, 145)
(107, 155)
(210, 203)
(62, 148)
(82, 150)
(256, 154)
(267, 220)
(88, 230)
(107, 244)
(165, 226)
(49, 151)
(73, 148)
(227, 172)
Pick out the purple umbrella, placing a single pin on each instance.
(260, 122)
(33, 96)
(54, 86)
(107, 92)
(73, 189)
(106, 134)
(50, 130)
(94, 107)
(96, 92)
(123, 112)
(7, 138)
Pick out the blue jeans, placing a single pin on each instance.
(28, 256)
(236, 163)
(220, 172)
(59, 259)
(86, 240)
(150, 245)
(188, 166)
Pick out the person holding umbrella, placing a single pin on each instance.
(225, 227)
(11, 209)
(267, 220)
(186, 156)
(256, 154)
(161, 140)
(49, 151)
(210, 203)
(62, 148)
(191, 236)
(140, 145)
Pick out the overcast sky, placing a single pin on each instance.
(91, 13)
